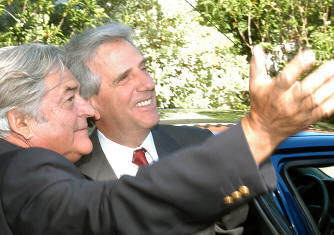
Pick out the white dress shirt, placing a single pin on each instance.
(120, 157)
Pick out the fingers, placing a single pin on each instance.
(324, 110)
(323, 93)
(294, 69)
(319, 83)
(258, 69)
(317, 92)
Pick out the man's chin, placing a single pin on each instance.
(149, 121)
(150, 125)
(85, 146)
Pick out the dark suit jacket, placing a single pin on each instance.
(167, 139)
(42, 193)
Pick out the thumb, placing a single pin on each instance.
(258, 71)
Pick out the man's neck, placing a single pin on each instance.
(17, 140)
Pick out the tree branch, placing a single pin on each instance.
(241, 34)
(24, 6)
(249, 27)
(325, 19)
(16, 19)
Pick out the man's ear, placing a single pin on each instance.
(19, 124)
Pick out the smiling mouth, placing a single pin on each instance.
(144, 103)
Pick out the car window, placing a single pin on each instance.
(328, 171)
(313, 186)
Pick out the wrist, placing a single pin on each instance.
(262, 141)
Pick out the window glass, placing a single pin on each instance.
(328, 171)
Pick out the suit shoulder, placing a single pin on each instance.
(40, 155)
(36, 167)
(33, 158)
(29, 154)
(183, 135)
(183, 129)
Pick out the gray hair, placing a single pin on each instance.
(81, 50)
(22, 72)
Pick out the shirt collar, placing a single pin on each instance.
(120, 156)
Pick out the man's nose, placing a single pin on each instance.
(85, 109)
(146, 81)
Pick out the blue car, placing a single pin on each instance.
(303, 203)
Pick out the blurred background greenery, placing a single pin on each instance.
(198, 51)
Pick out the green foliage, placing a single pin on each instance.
(307, 23)
(2, 6)
(46, 21)
(77, 15)
(193, 66)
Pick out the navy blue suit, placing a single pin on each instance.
(43, 193)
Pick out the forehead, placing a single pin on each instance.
(118, 55)
(58, 84)
(59, 80)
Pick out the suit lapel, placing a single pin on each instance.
(96, 165)
(164, 143)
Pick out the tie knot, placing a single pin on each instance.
(139, 157)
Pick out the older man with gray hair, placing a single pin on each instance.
(42, 192)
(43, 130)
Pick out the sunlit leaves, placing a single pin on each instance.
(308, 23)
(192, 65)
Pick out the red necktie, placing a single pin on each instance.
(139, 157)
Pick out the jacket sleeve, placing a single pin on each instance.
(43, 193)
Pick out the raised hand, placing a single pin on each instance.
(284, 105)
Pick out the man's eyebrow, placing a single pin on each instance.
(71, 88)
(121, 76)
(65, 91)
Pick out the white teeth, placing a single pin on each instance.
(143, 103)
